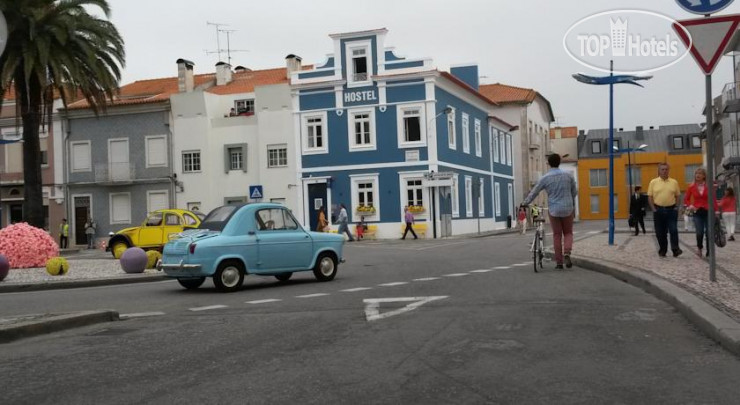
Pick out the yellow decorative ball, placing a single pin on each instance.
(57, 266)
(151, 258)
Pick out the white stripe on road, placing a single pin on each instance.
(393, 284)
(263, 301)
(521, 264)
(140, 315)
(501, 267)
(311, 295)
(481, 271)
(426, 279)
(357, 289)
(455, 275)
(207, 308)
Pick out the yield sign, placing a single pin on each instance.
(707, 38)
(372, 306)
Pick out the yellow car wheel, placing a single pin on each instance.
(118, 248)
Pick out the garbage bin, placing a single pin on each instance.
(508, 221)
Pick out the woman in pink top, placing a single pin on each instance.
(729, 215)
(697, 201)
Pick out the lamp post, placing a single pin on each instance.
(629, 150)
(611, 80)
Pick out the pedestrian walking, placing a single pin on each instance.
(360, 228)
(663, 193)
(63, 234)
(728, 208)
(90, 228)
(638, 205)
(321, 224)
(343, 219)
(409, 219)
(696, 200)
(522, 219)
(561, 194)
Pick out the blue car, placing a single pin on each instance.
(258, 238)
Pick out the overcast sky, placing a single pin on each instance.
(515, 42)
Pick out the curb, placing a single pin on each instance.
(711, 321)
(43, 324)
(94, 282)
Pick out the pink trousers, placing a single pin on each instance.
(562, 231)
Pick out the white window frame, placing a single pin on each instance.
(478, 144)
(149, 193)
(400, 125)
(497, 192)
(481, 198)
(591, 203)
(455, 190)
(246, 103)
(403, 179)
(502, 147)
(278, 148)
(147, 150)
(236, 150)
(356, 179)
(351, 120)
(307, 150)
(465, 132)
(495, 134)
(348, 48)
(182, 156)
(110, 208)
(508, 149)
(451, 135)
(468, 196)
(72, 157)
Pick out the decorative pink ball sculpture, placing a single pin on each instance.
(27, 246)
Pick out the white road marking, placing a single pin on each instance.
(357, 289)
(521, 264)
(593, 232)
(501, 267)
(311, 295)
(207, 308)
(455, 275)
(393, 284)
(481, 271)
(426, 279)
(440, 245)
(372, 306)
(140, 315)
(263, 301)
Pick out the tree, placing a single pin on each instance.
(55, 48)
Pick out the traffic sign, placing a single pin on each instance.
(703, 7)
(707, 38)
(255, 192)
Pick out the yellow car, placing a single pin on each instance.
(155, 231)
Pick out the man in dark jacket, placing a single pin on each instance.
(638, 205)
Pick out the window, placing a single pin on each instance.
(157, 200)
(595, 204)
(596, 147)
(154, 219)
(678, 142)
(468, 196)
(616, 144)
(81, 159)
(361, 129)
(189, 219)
(411, 126)
(414, 193)
(466, 133)
(172, 220)
(508, 149)
(365, 195)
(451, 136)
(481, 199)
(275, 219)
(314, 129)
(494, 134)
(478, 148)
(236, 158)
(598, 177)
(44, 158)
(245, 107)
(277, 156)
(455, 190)
(616, 202)
(502, 147)
(497, 191)
(636, 176)
(695, 141)
(120, 208)
(156, 151)
(359, 63)
(689, 173)
(190, 161)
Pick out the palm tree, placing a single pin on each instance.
(55, 48)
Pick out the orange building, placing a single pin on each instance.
(677, 145)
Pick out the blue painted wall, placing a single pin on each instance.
(457, 156)
(468, 74)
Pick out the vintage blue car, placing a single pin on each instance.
(257, 238)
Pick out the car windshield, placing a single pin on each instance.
(217, 219)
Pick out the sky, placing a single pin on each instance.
(514, 42)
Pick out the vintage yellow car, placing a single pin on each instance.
(155, 231)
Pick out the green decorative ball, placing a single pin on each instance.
(151, 258)
(57, 266)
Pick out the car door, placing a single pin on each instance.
(172, 226)
(283, 245)
(150, 233)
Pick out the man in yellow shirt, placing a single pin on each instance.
(663, 193)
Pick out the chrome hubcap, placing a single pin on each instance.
(327, 266)
(230, 276)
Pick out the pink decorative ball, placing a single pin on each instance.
(26, 246)
(4, 267)
(133, 260)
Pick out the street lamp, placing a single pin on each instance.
(611, 80)
(629, 150)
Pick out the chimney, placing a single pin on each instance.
(185, 80)
(223, 73)
(639, 134)
(293, 64)
(581, 132)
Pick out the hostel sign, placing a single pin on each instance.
(360, 96)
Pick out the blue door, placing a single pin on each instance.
(316, 200)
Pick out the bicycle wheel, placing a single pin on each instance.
(536, 250)
(541, 251)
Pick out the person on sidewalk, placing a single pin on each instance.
(63, 234)
(321, 223)
(696, 200)
(535, 212)
(342, 219)
(521, 219)
(561, 194)
(409, 219)
(360, 228)
(729, 212)
(90, 228)
(638, 205)
(663, 193)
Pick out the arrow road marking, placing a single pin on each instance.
(207, 308)
(372, 306)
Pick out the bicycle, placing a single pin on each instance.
(538, 242)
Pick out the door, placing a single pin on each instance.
(316, 200)
(283, 245)
(150, 233)
(173, 224)
(82, 210)
(119, 168)
(16, 213)
(445, 211)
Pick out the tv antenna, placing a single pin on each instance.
(228, 49)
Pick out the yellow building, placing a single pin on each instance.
(677, 145)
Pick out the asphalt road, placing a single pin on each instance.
(467, 326)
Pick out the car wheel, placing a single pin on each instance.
(283, 276)
(326, 267)
(118, 248)
(229, 276)
(191, 283)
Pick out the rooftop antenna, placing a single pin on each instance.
(228, 45)
(228, 49)
(218, 41)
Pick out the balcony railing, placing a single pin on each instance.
(123, 172)
(731, 98)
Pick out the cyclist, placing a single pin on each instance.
(561, 193)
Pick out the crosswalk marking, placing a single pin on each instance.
(207, 308)
(263, 301)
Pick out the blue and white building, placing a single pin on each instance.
(377, 132)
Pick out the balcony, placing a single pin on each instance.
(731, 154)
(115, 173)
(730, 98)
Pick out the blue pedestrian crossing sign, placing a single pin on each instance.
(255, 192)
(703, 7)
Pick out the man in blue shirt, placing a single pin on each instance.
(561, 194)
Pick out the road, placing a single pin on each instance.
(492, 331)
